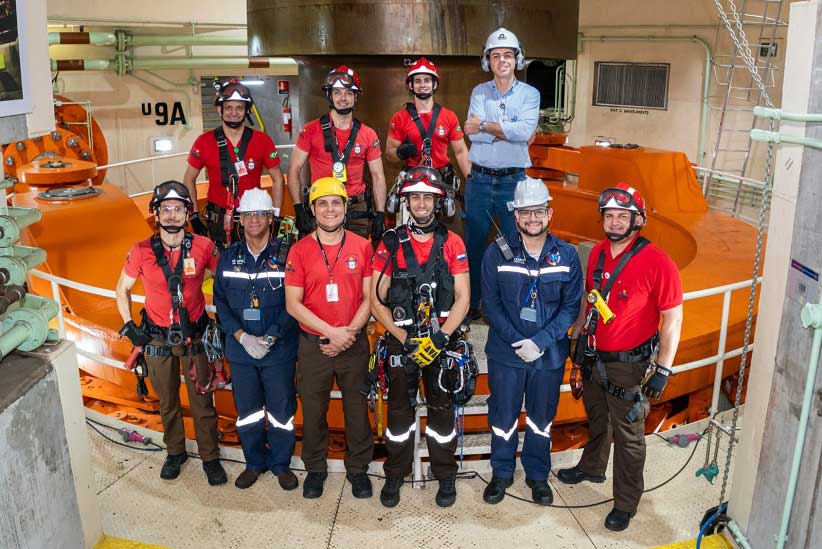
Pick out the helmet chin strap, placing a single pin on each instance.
(233, 125)
(421, 227)
(327, 230)
(171, 229)
(423, 95)
(348, 110)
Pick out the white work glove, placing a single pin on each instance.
(255, 346)
(527, 350)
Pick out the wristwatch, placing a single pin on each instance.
(482, 127)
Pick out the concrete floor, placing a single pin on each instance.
(137, 505)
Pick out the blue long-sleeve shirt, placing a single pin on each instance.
(506, 289)
(238, 278)
(517, 112)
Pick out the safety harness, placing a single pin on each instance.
(427, 134)
(638, 354)
(224, 219)
(332, 147)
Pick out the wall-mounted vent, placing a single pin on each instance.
(642, 85)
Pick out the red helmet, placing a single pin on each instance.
(342, 77)
(622, 197)
(421, 66)
(233, 90)
(422, 179)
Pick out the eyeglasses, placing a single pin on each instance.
(172, 209)
(260, 213)
(538, 213)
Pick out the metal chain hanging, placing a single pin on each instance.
(741, 42)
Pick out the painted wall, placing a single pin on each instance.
(117, 100)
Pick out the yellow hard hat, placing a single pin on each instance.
(326, 186)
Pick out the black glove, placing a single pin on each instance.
(305, 223)
(655, 384)
(440, 340)
(135, 333)
(197, 224)
(407, 150)
(377, 227)
(572, 348)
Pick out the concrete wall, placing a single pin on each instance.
(37, 491)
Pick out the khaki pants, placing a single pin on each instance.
(315, 376)
(164, 373)
(606, 420)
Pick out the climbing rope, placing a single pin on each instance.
(742, 45)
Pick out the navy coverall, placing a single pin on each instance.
(551, 289)
(263, 389)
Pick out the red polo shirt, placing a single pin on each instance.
(306, 268)
(205, 153)
(140, 262)
(647, 285)
(448, 129)
(453, 251)
(366, 148)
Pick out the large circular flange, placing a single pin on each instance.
(56, 171)
(69, 193)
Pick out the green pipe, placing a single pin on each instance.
(82, 38)
(776, 137)
(14, 337)
(706, 79)
(779, 114)
(80, 65)
(738, 536)
(124, 65)
(124, 39)
(811, 318)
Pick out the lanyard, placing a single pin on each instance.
(325, 257)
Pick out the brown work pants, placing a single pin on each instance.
(359, 225)
(606, 421)
(315, 377)
(164, 374)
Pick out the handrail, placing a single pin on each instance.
(718, 358)
(162, 156)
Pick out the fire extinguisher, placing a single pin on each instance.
(287, 128)
(283, 89)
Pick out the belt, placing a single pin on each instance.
(315, 338)
(496, 172)
(357, 198)
(637, 354)
(167, 350)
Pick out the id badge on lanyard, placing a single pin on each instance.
(339, 172)
(528, 312)
(252, 313)
(240, 167)
(332, 292)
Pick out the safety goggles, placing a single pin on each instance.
(617, 198)
(344, 78)
(234, 93)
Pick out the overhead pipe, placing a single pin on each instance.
(125, 64)
(779, 114)
(811, 318)
(777, 138)
(122, 39)
(706, 79)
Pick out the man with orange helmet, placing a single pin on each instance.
(234, 156)
(420, 133)
(340, 146)
(625, 354)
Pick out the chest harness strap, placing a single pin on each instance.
(427, 134)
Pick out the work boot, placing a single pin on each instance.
(575, 475)
(390, 493)
(313, 485)
(287, 480)
(617, 520)
(247, 479)
(215, 472)
(171, 466)
(360, 485)
(447, 494)
(495, 490)
(540, 491)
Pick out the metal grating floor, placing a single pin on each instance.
(137, 505)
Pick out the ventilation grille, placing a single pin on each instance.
(642, 85)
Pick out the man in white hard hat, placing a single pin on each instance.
(502, 118)
(531, 296)
(261, 342)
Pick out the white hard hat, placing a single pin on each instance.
(529, 192)
(255, 200)
(502, 38)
